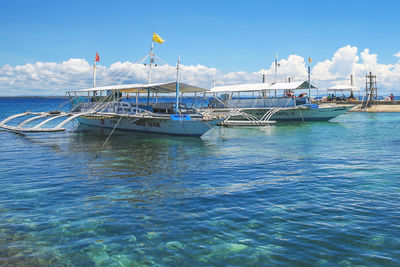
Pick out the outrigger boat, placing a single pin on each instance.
(115, 110)
(119, 110)
(110, 107)
(259, 107)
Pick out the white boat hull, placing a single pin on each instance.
(300, 114)
(195, 127)
(316, 114)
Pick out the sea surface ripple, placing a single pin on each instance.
(320, 194)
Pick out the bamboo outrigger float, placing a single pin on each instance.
(38, 127)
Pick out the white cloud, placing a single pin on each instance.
(341, 64)
(397, 54)
(294, 66)
(347, 61)
(51, 78)
(44, 78)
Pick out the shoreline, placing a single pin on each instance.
(377, 109)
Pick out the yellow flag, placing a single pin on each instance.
(157, 38)
(309, 59)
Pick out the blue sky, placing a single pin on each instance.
(47, 47)
(228, 35)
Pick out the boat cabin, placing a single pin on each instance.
(163, 98)
(261, 95)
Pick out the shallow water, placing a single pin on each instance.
(323, 193)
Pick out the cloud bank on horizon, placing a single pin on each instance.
(51, 78)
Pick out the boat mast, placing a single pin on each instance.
(264, 92)
(151, 61)
(97, 58)
(309, 81)
(276, 69)
(276, 65)
(213, 81)
(94, 74)
(149, 77)
(94, 70)
(177, 85)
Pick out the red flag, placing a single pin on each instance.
(97, 57)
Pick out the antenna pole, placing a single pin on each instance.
(177, 85)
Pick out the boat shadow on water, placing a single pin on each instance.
(90, 139)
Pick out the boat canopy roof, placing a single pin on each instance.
(261, 87)
(141, 88)
(343, 88)
(291, 86)
(241, 87)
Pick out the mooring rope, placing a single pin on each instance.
(301, 114)
(219, 133)
(99, 151)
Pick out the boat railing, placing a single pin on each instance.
(121, 107)
(124, 107)
(107, 107)
(185, 109)
(260, 103)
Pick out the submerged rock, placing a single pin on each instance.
(152, 235)
(121, 261)
(101, 259)
(254, 224)
(147, 262)
(174, 260)
(175, 245)
(78, 259)
(97, 253)
(227, 248)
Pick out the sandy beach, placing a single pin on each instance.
(377, 108)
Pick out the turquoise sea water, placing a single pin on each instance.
(320, 194)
